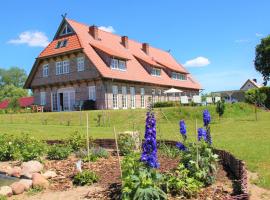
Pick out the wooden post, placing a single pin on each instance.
(117, 150)
(87, 139)
(196, 127)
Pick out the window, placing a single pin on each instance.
(43, 98)
(54, 101)
(62, 67)
(155, 72)
(153, 96)
(142, 98)
(45, 70)
(66, 30)
(80, 64)
(159, 95)
(124, 97)
(61, 43)
(178, 76)
(115, 96)
(132, 97)
(92, 93)
(118, 64)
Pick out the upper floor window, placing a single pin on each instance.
(178, 76)
(45, 71)
(80, 64)
(155, 72)
(118, 64)
(62, 67)
(61, 43)
(66, 30)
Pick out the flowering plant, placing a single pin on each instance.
(205, 133)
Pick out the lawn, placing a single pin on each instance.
(237, 131)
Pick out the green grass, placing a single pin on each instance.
(237, 131)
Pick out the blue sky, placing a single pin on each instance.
(222, 35)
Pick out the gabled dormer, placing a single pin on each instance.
(64, 29)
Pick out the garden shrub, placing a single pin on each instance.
(2, 197)
(165, 104)
(8, 151)
(139, 181)
(77, 141)
(169, 151)
(126, 143)
(95, 154)
(85, 177)
(59, 152)
(266, 91)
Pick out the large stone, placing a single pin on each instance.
(17, 188)
(15, 171)
(30, 167)
(6, 191)
(49, 174)
(40, 181)
(27, 183)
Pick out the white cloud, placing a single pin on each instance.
(107, 28)
(32, 39)
(259, 34)
(197, 62)
(241, 41)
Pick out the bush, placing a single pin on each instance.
(165, 104)
(2, 197)
(140, 182)
(59, 152)
(169, 151)
(126, 143)
(220, 108)
(8, 151)
(266, 91)
(77, 141)
(85, 178)
(95, 154)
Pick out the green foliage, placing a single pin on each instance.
(168, 150)
(266, 91)
(95, 154)
(262, 58)
(11, 91)
(59, 152)
(162, 104)
(255, 96)
(201, 162)
(35, 190)
(8, 151)
(85, 177)
(126, 143)
(77, 140)
(2, 197)
(179, 182)
(140, 182)
(220, 107)
(13, 76)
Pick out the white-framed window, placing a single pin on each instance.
(92, 93)
(155, 71)
(153, 95)
(43, 98)
(62, 67)
(124, 97)
(45, 71)
(132, 97)
(178, 76)
(115, 96)
(54, 101)
(80, 64)
(118, 64)
(65, 66)
(159, 95)
(66, 30)
(142, 98)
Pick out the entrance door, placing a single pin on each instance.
(61, 101)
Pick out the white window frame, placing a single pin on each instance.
(66, 66)
(142, 98)
(43, 98)
(132, 97)
(118, 64)
(155, 72)
(45, 71)
(59, 68)
(115, 97)
(124, 97)
(92, 93)
(179, 76)
(80, 64)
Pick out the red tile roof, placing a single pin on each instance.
(4, 104)
(23, 102)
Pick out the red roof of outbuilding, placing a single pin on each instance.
(23, 102)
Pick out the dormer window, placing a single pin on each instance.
(178, 76)
(118, 64)
(155, 71)
(61, 43)
(66, 30)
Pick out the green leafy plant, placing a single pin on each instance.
(220, 108)
(169, 151)
(77, 141)
(59, 152)
(126, 144)
(179, 182)
(34, 190)
(2, 197)
(85, 178)
(94, 154)
(140, 182)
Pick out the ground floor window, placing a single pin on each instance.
(115, 96)
(54, 101)
(43, 98)
(132, 97)
(92, 93)
(124, 97)
(142, 98)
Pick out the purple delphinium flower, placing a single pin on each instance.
(149, 147)
(202, 134)
(206, 117)
(181, 146)
(183, 129)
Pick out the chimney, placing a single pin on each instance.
(93, 30)
(255, 80)
(145, 48)
(125, 41)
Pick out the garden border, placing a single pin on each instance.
(233, 165)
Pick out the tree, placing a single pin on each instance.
(13, 76)
(11, 92)
(220, 108)
(262, 58)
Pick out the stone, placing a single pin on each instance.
(17, 188)
(49, 174)
(40, 181)
(27, 183)
(15, 171)
(5, 168)
(6, 191)
(30, 167)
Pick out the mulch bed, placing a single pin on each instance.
(110, 182)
